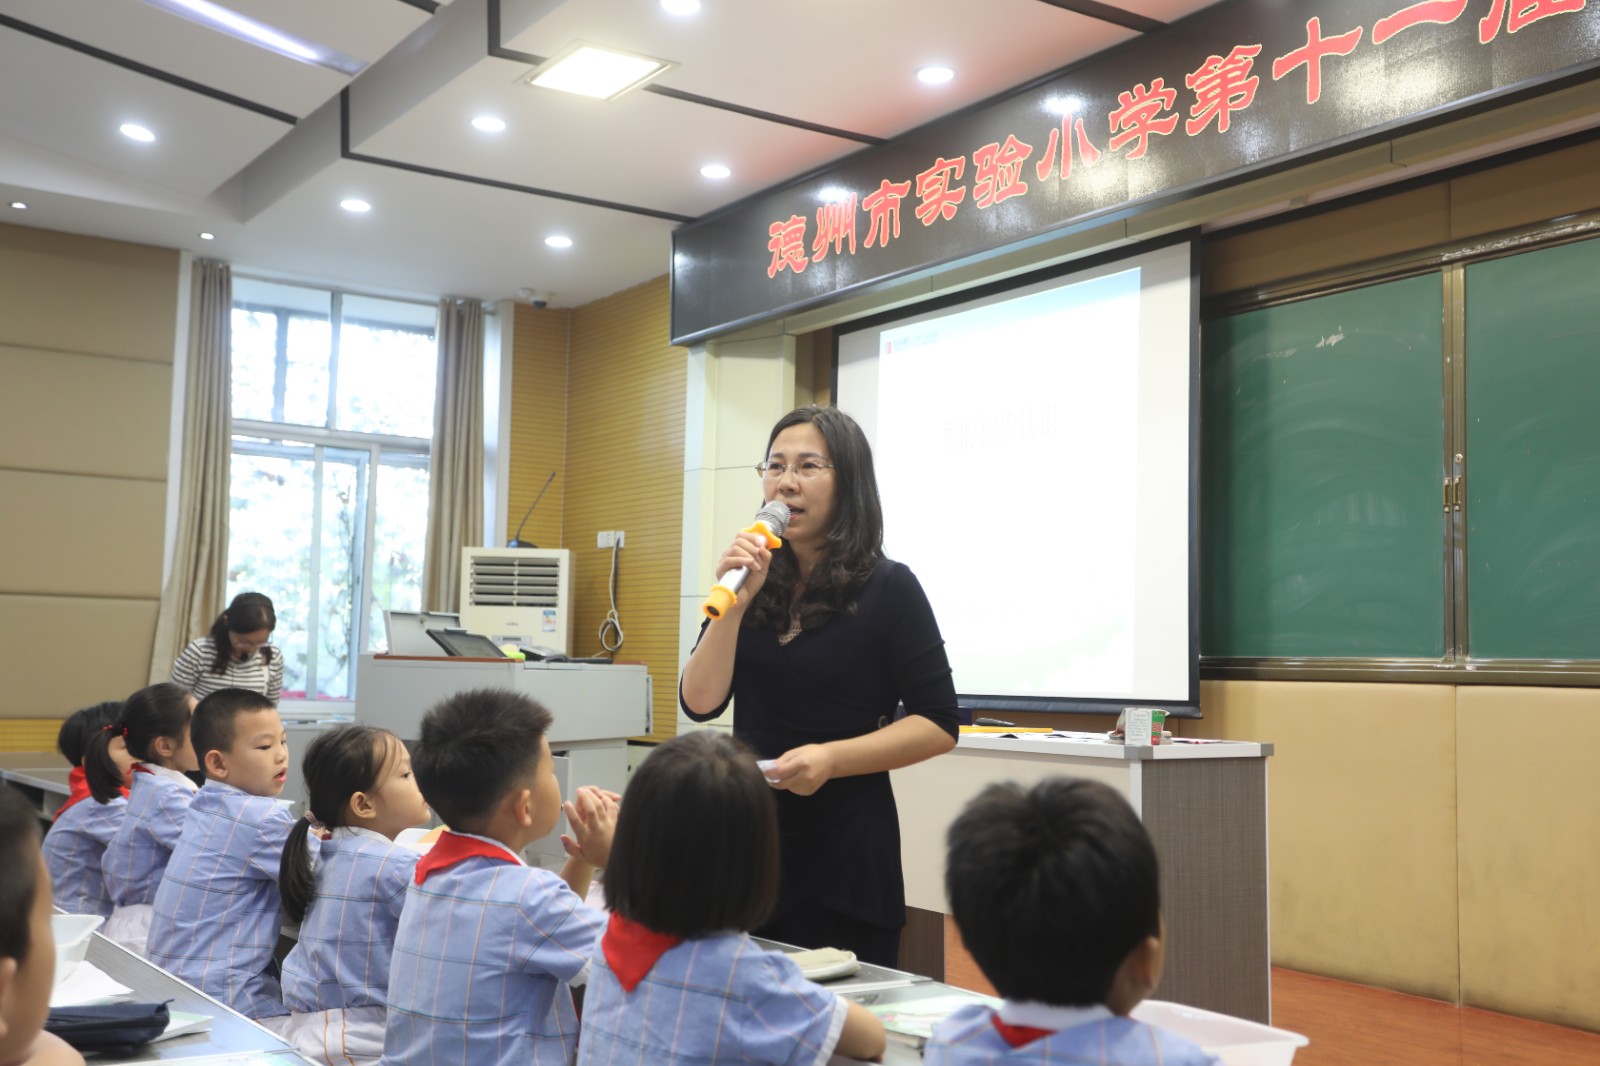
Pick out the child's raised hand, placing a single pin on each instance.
(592, 814)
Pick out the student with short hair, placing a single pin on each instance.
(488, 946)
(677, 979)
(27, 942)
(217, 911)
(1056, 894)
(154, 728)
(336, 978)
(76, 843)
(72, 741)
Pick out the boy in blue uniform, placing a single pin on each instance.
(216, 916)
(1056, 894)
(488, 946)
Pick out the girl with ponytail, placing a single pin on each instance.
(236, 653)
(336, 978)
(155, 727)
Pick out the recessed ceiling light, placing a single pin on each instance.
(489, 124)
(223, 20)
(714, 171)
(557, 240)
(599, 73)
(355, 206)
(135, 132)
(19, 205)
(208, 236)
(935, 75)
(680, 7)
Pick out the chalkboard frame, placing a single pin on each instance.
(1457, 665)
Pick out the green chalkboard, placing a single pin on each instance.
(1322, 459)
(1533, 454)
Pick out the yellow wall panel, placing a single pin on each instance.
(624, 471)
(538, 423)
(82, 536)
(61, 653)
(83, 294)
(1362, 825)
(31, 734)
(84, 414)
(1530, 870)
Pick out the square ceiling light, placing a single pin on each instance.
(596, 72)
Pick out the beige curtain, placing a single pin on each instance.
(198, 583)
(455, 482)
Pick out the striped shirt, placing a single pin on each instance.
(158, 802)
(73, 850)
(216, 918)
(342, 957)
(193, 671)
(969, 1037)
(481, 967)
(717, 999)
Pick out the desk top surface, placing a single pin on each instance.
(231, 1033)
(50, 780)
(1096, 746)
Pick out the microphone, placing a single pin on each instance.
(516, 540)
(771, 521)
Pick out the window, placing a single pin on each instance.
(332, 427)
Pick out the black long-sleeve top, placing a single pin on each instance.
(841, 845)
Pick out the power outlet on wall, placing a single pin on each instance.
(608, 537)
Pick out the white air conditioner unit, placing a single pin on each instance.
(521, 595)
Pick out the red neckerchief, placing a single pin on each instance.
(631, 949)
(1018, 1035)
(452, 848)
(78, 786)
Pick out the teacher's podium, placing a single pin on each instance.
(1205, 805)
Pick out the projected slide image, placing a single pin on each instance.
(1008, 458)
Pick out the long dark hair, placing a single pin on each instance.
(855, 540)
(161, 710)
(698, 794)
(250, 612)
(337, 765)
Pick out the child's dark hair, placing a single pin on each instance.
(19, 872)
(1052, 888)
(160, 710)
(337, 764)
(250, 612)
(81, 726)
(698, 794)
(473, 748)
(214, 719)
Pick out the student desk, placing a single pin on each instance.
(40, 776)
(231, 1033)
(1205, 805)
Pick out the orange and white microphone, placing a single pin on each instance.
(771, 521)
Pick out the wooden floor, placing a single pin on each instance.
(1353, 1025)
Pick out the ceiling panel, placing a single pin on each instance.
(1164, 10)
(429, 235)
(73, 105)
(642, 149)
(839, 63)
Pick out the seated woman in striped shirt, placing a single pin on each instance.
(336, 978)
(235, 654)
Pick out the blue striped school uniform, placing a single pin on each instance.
(217, 912)
(73, 850)
(486, 950)
(158, 802)
(1075, 1037)
(342, 957)
(716, 999)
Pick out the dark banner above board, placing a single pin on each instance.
(1242, 86)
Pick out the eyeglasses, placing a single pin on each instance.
(805, 469)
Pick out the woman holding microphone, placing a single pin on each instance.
(826, 640)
